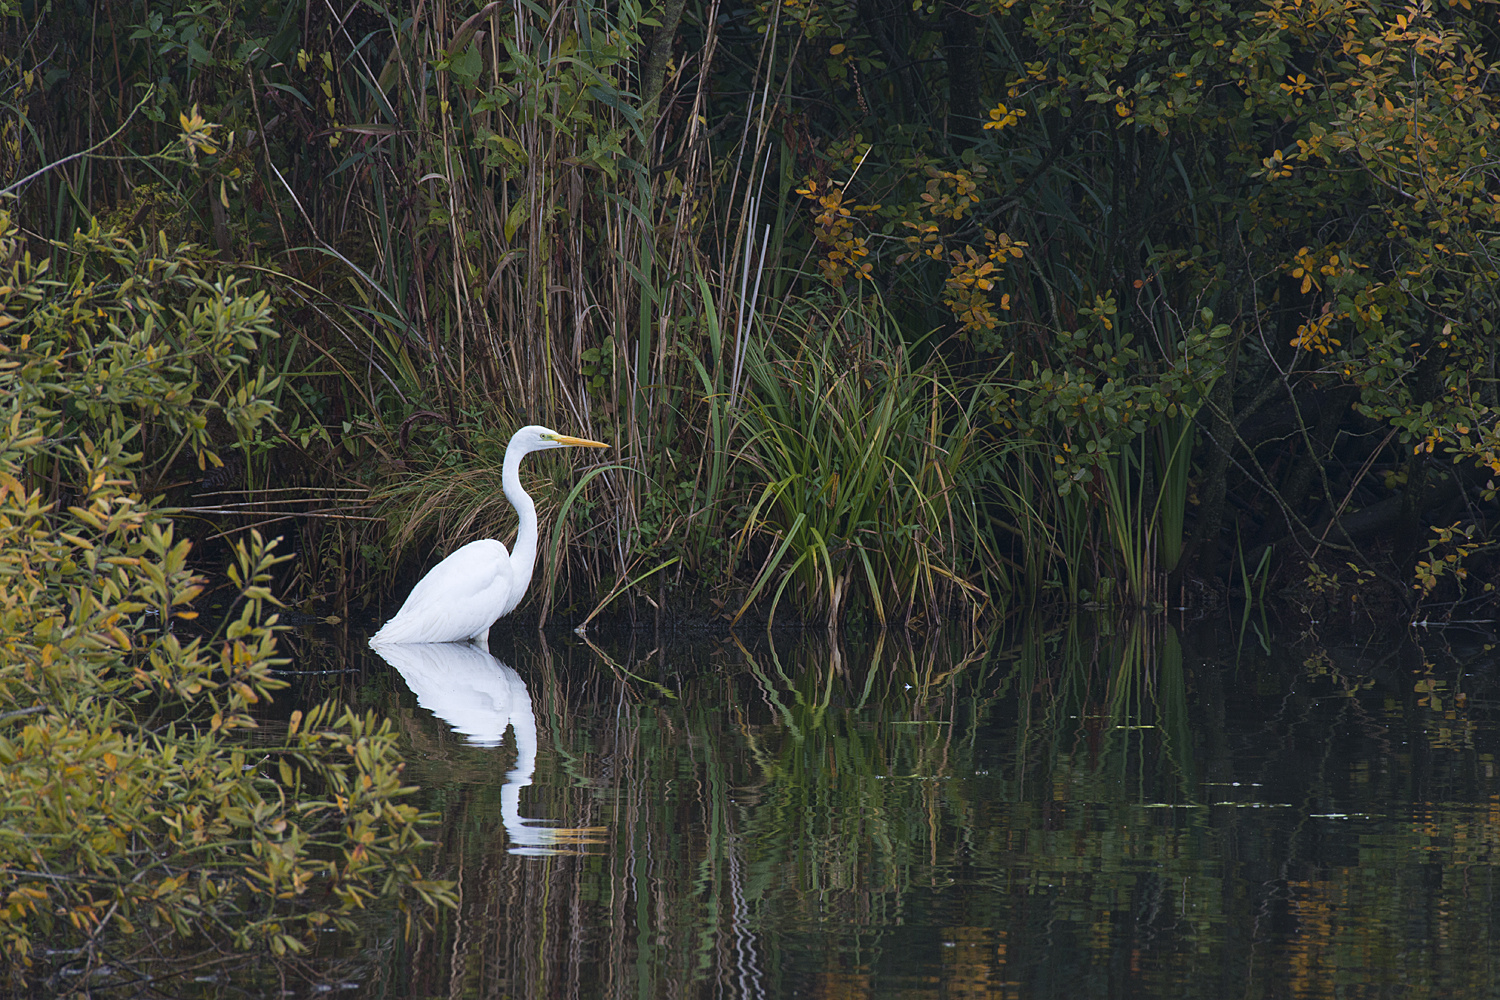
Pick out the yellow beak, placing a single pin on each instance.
(579, 442)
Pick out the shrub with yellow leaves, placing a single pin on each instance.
(973, 272)
(1314, 335)
(136, 810)
(843, 253)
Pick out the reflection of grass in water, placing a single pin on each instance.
(869, 794)
(819, 786)
(809, 802)
(1122, 682)
(857, 774)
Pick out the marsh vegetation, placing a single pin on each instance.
(897, 315)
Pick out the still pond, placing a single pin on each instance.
(1087, 809)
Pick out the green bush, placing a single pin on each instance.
(133, 808)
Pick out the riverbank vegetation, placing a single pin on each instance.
(893, 313)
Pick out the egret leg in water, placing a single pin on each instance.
(462, 596)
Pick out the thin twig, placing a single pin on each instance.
(19, 713)
(82, 152)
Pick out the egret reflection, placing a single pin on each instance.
(480, 698)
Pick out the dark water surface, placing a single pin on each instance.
(1086, 810)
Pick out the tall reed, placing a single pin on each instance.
(868, 465)
(524, 216)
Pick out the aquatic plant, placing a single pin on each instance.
(867, 475)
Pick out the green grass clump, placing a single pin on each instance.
(869, 476)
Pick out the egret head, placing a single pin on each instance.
(536, 438)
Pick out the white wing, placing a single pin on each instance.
(458, 599)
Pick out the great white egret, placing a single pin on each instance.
(461, 597)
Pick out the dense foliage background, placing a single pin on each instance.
(893, 311)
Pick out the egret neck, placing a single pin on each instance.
(523, 554)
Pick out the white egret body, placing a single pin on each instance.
(462, 596)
